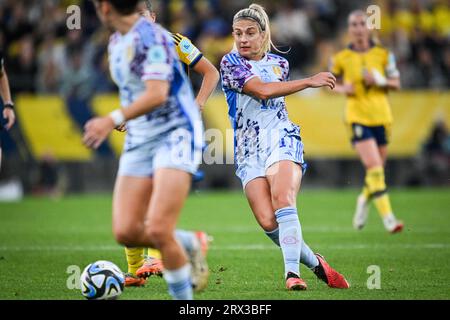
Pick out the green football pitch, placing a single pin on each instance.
(44, 242)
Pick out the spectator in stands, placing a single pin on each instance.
(293, 28)
(76, 81)
(50, 62)
(435, 156)
(23, 68)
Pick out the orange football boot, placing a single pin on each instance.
(151, 266)
(134, 281)
(330, 276)
(294, 282)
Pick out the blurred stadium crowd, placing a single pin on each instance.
(44, 57)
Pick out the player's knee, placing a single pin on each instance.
(268, 223)
(283, 199)
(126, 236)
(124, 239)
(158, 236)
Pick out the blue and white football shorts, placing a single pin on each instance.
(175, 150)
(289, 147)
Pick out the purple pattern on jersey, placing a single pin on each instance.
(234, 76)
(145, 36)
(137, 64)
(259, 125)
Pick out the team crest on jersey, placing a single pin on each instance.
(358, 131)
(277, 71)
(130, 53)
(185, 46)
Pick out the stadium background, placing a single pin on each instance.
(59, 79)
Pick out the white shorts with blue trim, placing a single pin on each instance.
(290, 148)
(175, 150)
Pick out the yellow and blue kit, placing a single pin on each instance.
(368, 111)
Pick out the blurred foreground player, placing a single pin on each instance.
(163, 144)
(141, 266)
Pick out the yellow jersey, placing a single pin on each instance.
(369, 106)
(188, 53)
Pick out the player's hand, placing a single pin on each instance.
(121, 128)
(369, 79)
(348, 89)
(323, 79)
(10, 116)
(96, 131)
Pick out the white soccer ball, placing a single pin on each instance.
(102, 280)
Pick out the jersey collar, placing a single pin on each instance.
(371, 45)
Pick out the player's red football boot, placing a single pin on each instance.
(398, 228)
(134, 281)
(330, 276)
(151, 266)
(294, 282)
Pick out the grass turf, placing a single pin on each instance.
(41, 238)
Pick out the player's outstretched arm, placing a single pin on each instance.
(262, 90)
(210, 79)
(98, 129)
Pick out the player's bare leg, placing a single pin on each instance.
(130, 203)
(259, 198)
(171, 188)
(373, 160)
(285, 183)
(284, 179)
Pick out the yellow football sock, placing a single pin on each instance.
(376, 185)
(135, 259)
(154, 253)
(383, 205)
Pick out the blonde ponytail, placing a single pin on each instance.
(257, 13)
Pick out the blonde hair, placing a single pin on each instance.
(258, 14)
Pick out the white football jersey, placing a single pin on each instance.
(258, 124)
(145, 53)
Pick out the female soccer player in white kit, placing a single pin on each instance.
(163, 144)
(268, 147)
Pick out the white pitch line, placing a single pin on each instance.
(315, 229)
(239, 247)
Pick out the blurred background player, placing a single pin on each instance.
(163, 144)
(268, 146)
(8, 105)
(138, 267)
(366, 72)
